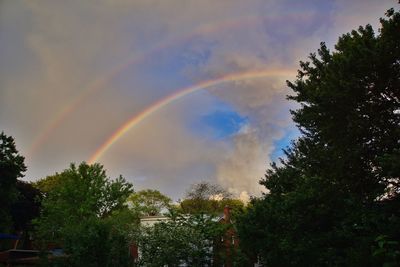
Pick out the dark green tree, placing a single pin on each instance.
(11, 168)
(25, 209)
(337, 190)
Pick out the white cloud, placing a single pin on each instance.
(55, 50)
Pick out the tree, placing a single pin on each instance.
(184, 240)
(85, 191)
(11, 168)
(209, 199)
(205, 197)
(338, 188)
(26, 207)
(47, 184)
(149, 202)
(205, 190)
(211, 206)
(77, 213)
(190, 240)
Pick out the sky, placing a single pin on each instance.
(166, 93)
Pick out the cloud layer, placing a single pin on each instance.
(72, 72)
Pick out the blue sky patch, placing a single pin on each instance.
(219, 124)
(283, 143)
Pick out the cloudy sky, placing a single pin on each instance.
(165, 92)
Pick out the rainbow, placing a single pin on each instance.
(101, 81)
(136, 119)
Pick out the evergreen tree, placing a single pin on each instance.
(337, 192)
(11, 168)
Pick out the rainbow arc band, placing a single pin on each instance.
(137, 118)
(101, 81)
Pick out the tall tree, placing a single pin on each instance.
(11, 168)
(338, 189)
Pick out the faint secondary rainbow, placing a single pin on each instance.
(106, 78)
(101, 81)
(137, 118)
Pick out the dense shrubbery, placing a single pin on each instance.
(182, 240)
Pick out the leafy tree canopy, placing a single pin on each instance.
(209, 198)
(45, 185)
(184, 240)
(149, 202)
(84, 193)
(205, 190)
(337, 191)
(211, 206)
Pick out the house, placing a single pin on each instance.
(149, 221)
(225, 246)
(146, 221)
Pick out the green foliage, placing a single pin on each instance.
(26, 207)
(338, 188)
(149, 202)
(97, 242)
(85, 192)
(45, 185)
(211, 206)
(209, 199)
(387, 250)
(11, 168)
(197, 206)
(94, 243)
(182, 240)
(84, 215)
(205, 190)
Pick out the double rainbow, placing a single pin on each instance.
(103, 80)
